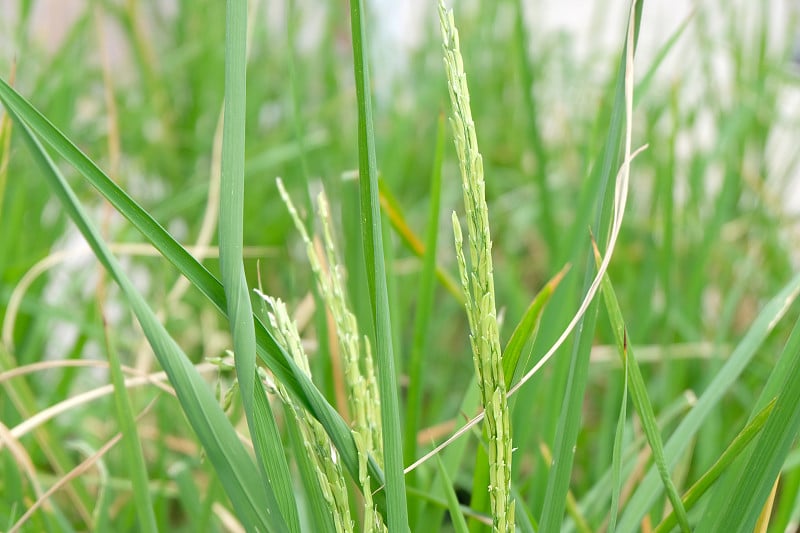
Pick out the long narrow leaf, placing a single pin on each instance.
(424, 304)
(595, 502)
(137, 468)
(527, 327)
(260, 420)
(459, 524)
(641, 400)
(745, 437)
(571, 504)
(254, 501)
(397, 511)
(738, 508)
(616, 457)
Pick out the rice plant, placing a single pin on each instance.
(189, 343)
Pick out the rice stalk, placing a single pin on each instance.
(373, 522)
(478, 282)
(359, 373)
(315, 440)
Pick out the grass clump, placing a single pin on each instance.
(345, 379)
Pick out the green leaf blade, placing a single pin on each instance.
(397, 507)
(260, 420)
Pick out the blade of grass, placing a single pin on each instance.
(479, 499)
(787, 504)
(459, 524)
(254, 502)
(641, 400)
(736, 447)
(397, 509)
(572, 505)
(595, 502)
(767, 319)
(424, 307)
(616, 456)
(527, 326)
(525, 521)
(137, 468)
(260, 420)
(269, 448)
(738, 507)
(764, 518)
(5, 147)
(270, 352)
